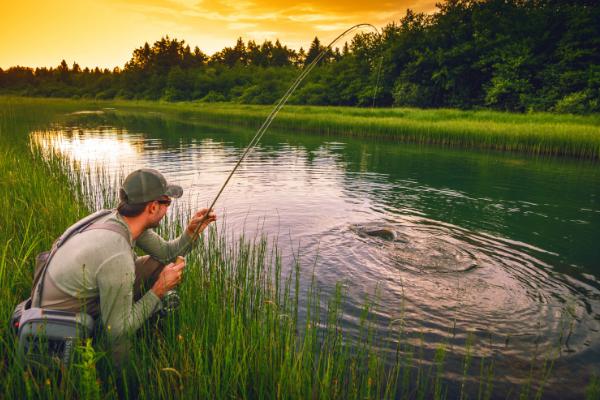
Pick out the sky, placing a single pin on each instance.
(104, 33)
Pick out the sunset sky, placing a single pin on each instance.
(105, 32)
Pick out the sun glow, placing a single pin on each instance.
(104, 33)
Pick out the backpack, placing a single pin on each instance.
(46, 335)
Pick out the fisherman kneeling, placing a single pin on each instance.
(97, 271)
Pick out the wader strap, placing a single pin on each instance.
(85, 224)
(113, 227)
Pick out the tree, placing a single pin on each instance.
(178, 86)
(253, 53)
(199, 58)
(281, 55)
(300, 58)
(266, 51)
(510, 85)
(161, 57)
(63, 71)
(232, 56)
(313, 52)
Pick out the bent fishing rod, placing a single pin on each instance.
(282, 101)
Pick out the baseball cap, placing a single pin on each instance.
(147, 184)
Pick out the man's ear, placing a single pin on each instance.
(151, 207)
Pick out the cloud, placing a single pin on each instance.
(266, 10)
(241, 25)
(289, 20)
(340, 27)
(261, 35)
(142, 5)
(303, 18)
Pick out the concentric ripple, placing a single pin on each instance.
(441, 276)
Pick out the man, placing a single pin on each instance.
(97, 271)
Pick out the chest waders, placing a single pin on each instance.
(48, 336)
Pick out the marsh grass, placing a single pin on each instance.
(243, 329)
(536, 133)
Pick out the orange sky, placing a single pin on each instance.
(105, 32)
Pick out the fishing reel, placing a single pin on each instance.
(170, 303)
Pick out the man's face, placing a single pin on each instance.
(157, 211)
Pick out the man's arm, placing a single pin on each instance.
(119, 314)
(166, 251)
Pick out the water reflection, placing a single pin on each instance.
(482, 244)
(91, 148)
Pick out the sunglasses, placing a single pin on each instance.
(166, 202)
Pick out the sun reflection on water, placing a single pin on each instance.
(90, 148)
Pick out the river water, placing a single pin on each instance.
(499, 248)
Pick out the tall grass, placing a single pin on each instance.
(239, 332)
(537, 133)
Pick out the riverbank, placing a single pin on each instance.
(538, 133)
(535, 133)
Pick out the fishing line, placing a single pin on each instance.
(377, 82)
(267, 122)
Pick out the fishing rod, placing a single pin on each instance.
(282, 101)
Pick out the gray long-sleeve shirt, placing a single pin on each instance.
(96, 270)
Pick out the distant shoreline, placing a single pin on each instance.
(545, 134)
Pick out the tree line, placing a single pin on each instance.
(515, 55)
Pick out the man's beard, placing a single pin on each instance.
(153, 225)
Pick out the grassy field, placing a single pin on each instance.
(237, 333)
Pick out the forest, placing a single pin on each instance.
(510, 55)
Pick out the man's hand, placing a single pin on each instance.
(192, 229)
(169, 277)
